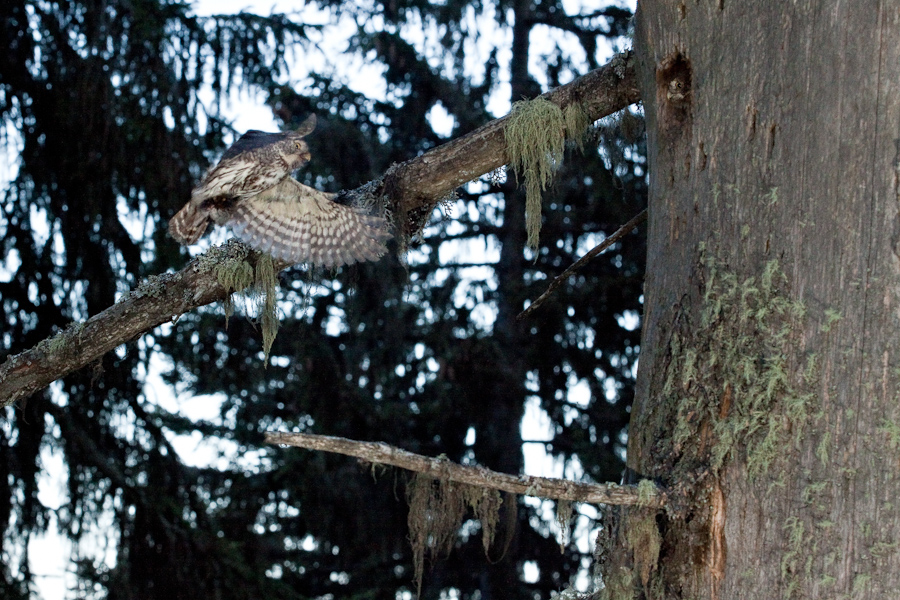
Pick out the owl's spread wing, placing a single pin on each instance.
(297, 223)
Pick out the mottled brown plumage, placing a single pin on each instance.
(298, 223)
(251, 190)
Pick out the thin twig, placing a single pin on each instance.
(441, 468)
(619, 234)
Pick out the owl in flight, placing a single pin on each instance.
(252, 191)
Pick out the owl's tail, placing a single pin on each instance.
(188, 224)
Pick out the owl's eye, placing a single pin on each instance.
(298, 145)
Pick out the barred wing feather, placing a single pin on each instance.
(297, 223)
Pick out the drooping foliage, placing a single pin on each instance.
(105, 104)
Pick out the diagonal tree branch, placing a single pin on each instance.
(428, 177)
(593, 252)
(157, 300)
(441, 468)
(417, 183)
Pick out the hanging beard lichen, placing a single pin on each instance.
(485, 504)
(535, 136)
(265, 285)
(436, 511)
(563, 519)
(644, 541)
(577, 124)
(235, 273)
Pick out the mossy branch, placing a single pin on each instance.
(424, 180)
(419, 183)
(441, 468)
(157, 300)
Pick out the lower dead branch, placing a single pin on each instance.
(441, 468)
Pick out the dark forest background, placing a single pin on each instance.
(103, 103)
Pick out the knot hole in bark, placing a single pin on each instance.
(674, 98)
(673, 82)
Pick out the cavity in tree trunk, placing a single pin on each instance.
(769, 375)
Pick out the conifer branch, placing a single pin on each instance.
(441, 468)
(419, 182)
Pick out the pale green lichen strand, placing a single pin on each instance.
(536, 134)
(236, 271)
(644, 541)
(647, 491)
(266, 290)
(563, 519)
(577, 123)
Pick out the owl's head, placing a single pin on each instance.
(294, 147)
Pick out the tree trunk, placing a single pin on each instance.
(769, 375)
